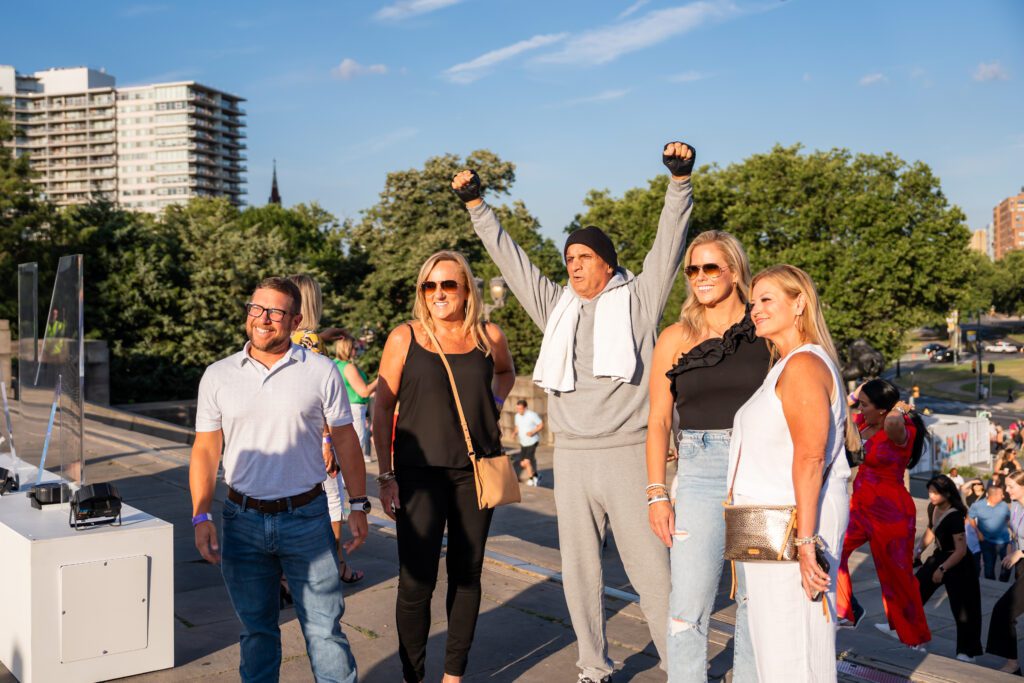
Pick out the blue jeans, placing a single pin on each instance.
(255, 549)
(697, 550)
(992, 555)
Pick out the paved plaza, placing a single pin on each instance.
(524, 632)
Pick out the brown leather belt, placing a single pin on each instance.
(270, 507)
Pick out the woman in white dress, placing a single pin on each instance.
(791, 435)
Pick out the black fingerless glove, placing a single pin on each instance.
(470, 190)
(677, 166)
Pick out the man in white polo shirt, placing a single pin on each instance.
(266, 406)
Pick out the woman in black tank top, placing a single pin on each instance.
(426, 478)
(705, 367)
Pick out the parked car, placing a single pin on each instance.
(1002, 346)
(929, 349)
(943, 356)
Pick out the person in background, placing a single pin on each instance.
(882, 511)
(705, 367)
(527, 427)
(954, 475)
(430, 483)
(307, 336)
(1002, 628)
(949, 566)
(359, 389)
(991, 518)
(972, 491)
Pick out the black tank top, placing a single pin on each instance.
(715, 378)
(428, 432)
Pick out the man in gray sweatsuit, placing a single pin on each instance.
(599, 421)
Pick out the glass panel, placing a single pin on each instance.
(60, 359)
(29, 420)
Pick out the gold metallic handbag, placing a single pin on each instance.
(496, 481)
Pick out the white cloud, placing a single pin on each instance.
(872, 79)
(605, 96)
(403, 9)
(632, 9)
(991, 71)
(608, 43)
(467, 72)
(350, 68)
(688, 77)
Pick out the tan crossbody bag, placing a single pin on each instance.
(496, 482)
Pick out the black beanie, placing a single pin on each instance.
(594, 237)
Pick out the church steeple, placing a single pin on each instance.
(275, 196)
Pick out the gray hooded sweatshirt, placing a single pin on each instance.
(600, 412)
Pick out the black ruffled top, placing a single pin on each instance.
(714, 379)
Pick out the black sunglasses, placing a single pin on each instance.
(712, 270)
(448, 286)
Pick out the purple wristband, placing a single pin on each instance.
(202, 517)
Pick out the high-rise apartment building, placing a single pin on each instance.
(144, 147)
(980, 242)
(1008, 225)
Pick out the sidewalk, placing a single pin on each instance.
(524, 632)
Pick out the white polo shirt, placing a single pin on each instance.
(272, 419)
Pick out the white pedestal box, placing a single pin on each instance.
(86, 605)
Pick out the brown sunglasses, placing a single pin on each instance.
(712, 270)
(447, 286)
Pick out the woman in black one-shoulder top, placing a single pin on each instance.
(705, 368)
(429, 482)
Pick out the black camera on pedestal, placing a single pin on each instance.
(49, 493)
(95, 505)
(8, 481)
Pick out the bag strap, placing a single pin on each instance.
(455, 392)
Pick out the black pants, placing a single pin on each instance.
(1002, 628)
(964, 592)
(429, 498)
(529, 453)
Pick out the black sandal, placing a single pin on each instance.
(349, 575)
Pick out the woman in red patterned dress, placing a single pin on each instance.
(882, 512)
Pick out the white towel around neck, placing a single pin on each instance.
(614, 349)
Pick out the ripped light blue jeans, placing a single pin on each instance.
(697, 549)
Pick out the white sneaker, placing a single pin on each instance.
(965, 658)
(532, 481)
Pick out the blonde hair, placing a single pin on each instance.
(473, 324)
(345, 347)
(312, 301)
(691, 315)
(812, 327)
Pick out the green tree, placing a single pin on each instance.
(418, 215)
(878, 236)
(1008, 284)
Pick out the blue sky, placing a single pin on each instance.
(580, 94)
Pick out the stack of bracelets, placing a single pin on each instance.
(657, 493)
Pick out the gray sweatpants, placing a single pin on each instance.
(590, 486)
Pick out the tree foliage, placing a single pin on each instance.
(417, 215)
(885, 248)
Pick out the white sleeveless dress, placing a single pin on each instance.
(791, 637)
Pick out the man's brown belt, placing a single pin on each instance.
(270, 507)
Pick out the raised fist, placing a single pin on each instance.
(679, 158)
(466, 186)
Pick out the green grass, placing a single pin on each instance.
(942, 380)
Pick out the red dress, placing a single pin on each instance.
(882, 513)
